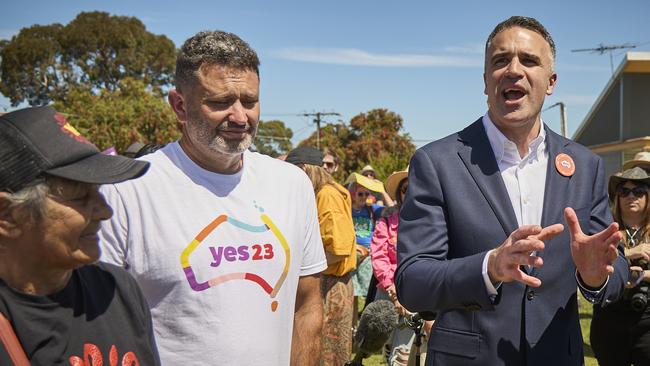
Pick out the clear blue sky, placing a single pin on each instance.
(420, 59)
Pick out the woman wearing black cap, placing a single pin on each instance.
(337, 231)
(57, 306)
(620, 332)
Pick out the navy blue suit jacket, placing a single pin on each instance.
(456, 209)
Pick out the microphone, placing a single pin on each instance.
(422, 315)
(376, 324)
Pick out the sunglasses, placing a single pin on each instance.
(637, 191)
(363, 194)
(329, 164)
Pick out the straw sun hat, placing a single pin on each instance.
(640, 159)
(392, 183)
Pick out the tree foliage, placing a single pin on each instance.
(94, 51)
(373, 138)
(120, 117)
(273, 138)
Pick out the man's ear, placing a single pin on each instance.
(484, 84)
(9, 227)
(551, 84)
(177, 102)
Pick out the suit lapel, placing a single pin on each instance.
(557, 186)
(478, 157)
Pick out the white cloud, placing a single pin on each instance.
(357, 57)
(468, 48)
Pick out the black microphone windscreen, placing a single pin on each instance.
(375, 326)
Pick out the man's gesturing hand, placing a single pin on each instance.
(593, 255)
(505, 261)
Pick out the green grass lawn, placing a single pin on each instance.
(585, 322)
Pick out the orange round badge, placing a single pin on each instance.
(565, 165)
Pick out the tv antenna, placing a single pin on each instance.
(607, 48)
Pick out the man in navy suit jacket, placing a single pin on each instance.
(481, 239)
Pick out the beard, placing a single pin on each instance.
(201, 132)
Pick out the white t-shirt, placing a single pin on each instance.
(218, 257)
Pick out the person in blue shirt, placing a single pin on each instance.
(364, 215)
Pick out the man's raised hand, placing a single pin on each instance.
(505, 261)
(593, 255)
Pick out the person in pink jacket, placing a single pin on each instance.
(384, 261)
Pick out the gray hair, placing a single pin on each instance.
(30, 200)
(213, 48)
(529, 23)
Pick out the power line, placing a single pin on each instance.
(273, 137)
(317, 120)
(281, 115)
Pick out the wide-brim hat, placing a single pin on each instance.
(37, 141)
(371, 184)
(393, 180)
(367, 168)
(635, 174)
(641, 158)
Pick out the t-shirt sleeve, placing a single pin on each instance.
(148, 323)
(113, 232)
(313, 259)
(137, 310)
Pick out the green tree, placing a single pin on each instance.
(94, 51)
(273, 138)
(373, 138)
(120, 117)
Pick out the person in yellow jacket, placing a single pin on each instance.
(334, 207)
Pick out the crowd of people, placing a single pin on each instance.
(201, 252)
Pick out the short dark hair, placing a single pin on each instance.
(328, 151)
(522, 22)
(213, 48)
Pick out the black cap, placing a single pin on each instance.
(39, 140)
(305, 155)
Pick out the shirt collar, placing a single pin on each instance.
(505, 149)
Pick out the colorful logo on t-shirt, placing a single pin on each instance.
(255, 251)
(93, 356)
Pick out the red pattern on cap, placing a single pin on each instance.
(67, 128)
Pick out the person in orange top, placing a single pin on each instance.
(334, 207)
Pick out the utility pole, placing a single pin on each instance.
(607, 48)
(563, 123)
(317, 121)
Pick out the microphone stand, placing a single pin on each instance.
(415, 322)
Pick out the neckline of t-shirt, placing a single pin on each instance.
(66, 293)
(195, 169)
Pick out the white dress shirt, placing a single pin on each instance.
(524, 178)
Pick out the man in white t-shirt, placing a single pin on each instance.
(224, 242)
